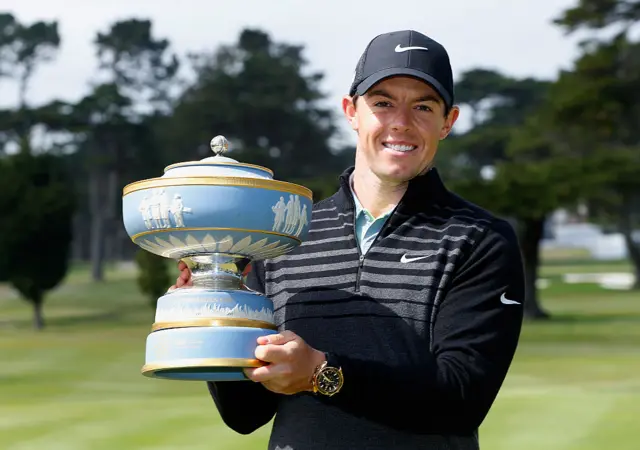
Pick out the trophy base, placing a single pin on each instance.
(203, 353)
(201, 370)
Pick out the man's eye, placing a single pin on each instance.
(423, 108)
(382, 104)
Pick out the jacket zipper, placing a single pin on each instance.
(360, 264)
(361, 257)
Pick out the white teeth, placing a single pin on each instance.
(400, 148)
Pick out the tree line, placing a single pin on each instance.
(567, 142)
(570, 142)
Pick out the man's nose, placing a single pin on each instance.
(401, 120)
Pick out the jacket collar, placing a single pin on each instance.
(423, 190)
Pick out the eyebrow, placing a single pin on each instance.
(424, 98)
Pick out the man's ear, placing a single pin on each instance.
(449, 122)
(350, 112)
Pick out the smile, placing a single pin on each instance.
(400, 147)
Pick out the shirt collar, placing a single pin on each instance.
(423, 191)
(359, 208)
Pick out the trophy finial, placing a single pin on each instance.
(219, 145)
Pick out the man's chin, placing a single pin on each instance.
(397, 176)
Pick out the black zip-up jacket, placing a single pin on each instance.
(424, 326)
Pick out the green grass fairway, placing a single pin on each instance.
(575, 383)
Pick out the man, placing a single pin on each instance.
(400, 315)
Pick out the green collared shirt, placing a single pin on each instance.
(367, 227)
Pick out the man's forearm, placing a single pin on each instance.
(432, 397)
(244, 406)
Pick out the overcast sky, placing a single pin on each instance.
(514, 36)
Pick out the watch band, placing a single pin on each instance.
(331, 359)
(316, 371)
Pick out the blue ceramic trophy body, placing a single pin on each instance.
(217, 215)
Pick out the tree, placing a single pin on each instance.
(600, 14)
(24, 47)
(153, 275)
(598, 104)
(138, 63)
(540, 174)
(139, 74)
(530, 175)
(36, 233)
(255, 93)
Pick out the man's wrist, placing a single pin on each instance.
(317, 360)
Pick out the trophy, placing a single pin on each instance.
(217, 215)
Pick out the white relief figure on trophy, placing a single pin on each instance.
(290, 218)
(291, 215)
(296, 209)
(155, 211)
(163, 199)
(145, 210)
(302, 220)
(279, 210)
(178, 209)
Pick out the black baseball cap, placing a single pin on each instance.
(409, 53)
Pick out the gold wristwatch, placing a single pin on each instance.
(327, 380)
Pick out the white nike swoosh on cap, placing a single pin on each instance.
(399, 48)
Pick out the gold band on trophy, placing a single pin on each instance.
(151, 369)
(213, 322)
(273, 185)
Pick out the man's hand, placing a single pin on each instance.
(291, 360)
(184, 279)
(291, 363)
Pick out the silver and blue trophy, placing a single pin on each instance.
(217, 215)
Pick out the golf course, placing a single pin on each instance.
(76, 385)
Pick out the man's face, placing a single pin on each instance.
(399, 123)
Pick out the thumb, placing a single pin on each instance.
(278, 339)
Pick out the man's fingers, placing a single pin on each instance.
(185, 275)
(278, 339)
(267, 373)
(180, 282)
(184, 279)
(256, 373)
(185, 272)
(274, 353)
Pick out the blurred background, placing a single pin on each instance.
(94, 95)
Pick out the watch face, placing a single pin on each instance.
(329, 380)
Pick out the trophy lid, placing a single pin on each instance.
(217, 165)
